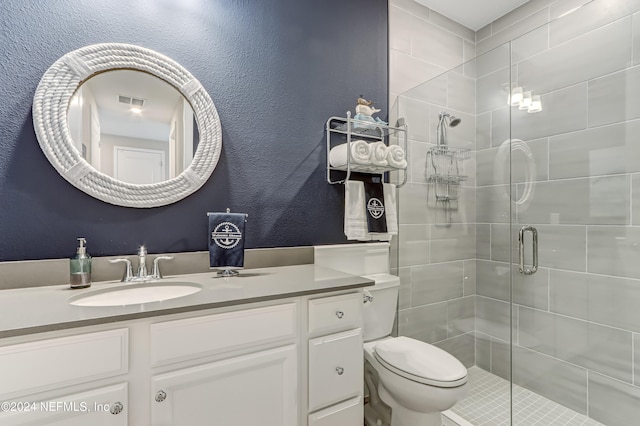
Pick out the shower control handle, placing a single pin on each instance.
(534, 235)
(340, 371)
(339, 314)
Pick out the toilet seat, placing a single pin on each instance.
(420, 362)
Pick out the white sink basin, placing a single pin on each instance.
(135, 293)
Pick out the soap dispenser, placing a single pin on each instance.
(80, 267)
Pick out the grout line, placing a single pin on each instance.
(633, 361)
(586, 249)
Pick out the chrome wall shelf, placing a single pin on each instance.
(346, 129)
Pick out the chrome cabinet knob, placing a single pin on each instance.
(339, 314)
(161, 396)
(116, 408)
(340, 371)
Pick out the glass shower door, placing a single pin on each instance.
(574, 154)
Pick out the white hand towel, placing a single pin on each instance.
(396, 157)
(355, 219)
(360, 153)
(379, 154)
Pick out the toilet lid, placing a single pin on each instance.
(421, 362)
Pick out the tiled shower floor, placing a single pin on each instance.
(487, 404)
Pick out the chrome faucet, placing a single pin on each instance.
(142, 275)
(142, 262)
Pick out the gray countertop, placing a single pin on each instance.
(38, 309)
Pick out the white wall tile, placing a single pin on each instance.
(455, 241)
(635, 196)
(613, 98)
(613, 403)
(439, 47)
(586, 201)
(588, 56)
(599, 151)
(530, 44)
(589, 17)
(413, 245)
(598, 298)
(593, 346)
(406, 72)
(563, 111)
(436, 282)
(426, 323)
(559, 381)
(614, 250)
(512, 32)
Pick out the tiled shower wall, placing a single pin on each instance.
(436, 258)
(577, 320)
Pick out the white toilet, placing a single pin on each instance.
(417, 380)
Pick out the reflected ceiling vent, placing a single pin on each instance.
(128, 100)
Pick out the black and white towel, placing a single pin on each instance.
(356, 226)
(226, 240)
(374, 203)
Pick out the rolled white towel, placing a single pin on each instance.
(379, 154)
(396, 157)
(360, 153)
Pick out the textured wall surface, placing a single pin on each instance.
(275, 70)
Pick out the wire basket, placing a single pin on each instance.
(445, 169)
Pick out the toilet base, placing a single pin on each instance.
(401, 416)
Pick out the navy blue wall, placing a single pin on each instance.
(275, 69)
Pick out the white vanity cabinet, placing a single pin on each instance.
(294, 361)
(254, 386)
(335, 361)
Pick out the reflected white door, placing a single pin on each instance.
(136, 165)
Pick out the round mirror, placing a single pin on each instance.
(133, 126)
(127, 125)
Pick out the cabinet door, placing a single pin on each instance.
(254, 389)
(105, 406)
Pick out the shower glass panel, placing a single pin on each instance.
(574, 165)
(454, 294)
(548, 145)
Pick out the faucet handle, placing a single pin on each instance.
(128, 270)
(156, 266)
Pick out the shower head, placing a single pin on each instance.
(453, 120)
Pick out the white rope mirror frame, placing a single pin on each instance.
(51, 102)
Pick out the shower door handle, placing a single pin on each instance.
(534, 235)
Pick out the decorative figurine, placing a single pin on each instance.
(364, 112)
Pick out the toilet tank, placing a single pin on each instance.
(356, 259)
(370, 260)
(380, 310)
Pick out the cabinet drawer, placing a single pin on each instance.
(106, 406)
(47, 364)
(348, 413)
(179, 340)
(336, 313)
(335, 368)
